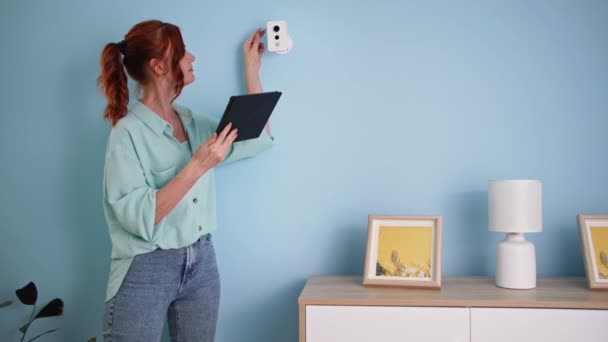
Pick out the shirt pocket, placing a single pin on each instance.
(161, 178)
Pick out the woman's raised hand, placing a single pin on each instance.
(253, 49)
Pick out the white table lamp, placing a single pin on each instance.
(515, 208)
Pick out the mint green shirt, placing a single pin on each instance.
(141, 157)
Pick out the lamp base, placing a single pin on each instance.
(515, 263)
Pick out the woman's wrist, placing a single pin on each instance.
(252, 74)
(253, 82)
(195, 168)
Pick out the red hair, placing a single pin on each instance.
(144, 41)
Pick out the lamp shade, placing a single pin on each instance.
(515, 206)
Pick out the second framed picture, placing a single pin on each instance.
(594, 239)
(403, 251)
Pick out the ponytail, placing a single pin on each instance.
(113, 82)
(144, 41)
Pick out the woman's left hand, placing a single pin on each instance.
(253, 49)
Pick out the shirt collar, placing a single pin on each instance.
(154, 121)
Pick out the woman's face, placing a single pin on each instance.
(186, 66)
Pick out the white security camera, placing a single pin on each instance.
(279, 40)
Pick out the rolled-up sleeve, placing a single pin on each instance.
(249, 148)
(131, 200)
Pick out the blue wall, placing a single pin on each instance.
(399, 107)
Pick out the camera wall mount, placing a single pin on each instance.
(278, 37)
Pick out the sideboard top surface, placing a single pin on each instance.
(559, 293)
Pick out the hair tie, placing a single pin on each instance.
(121, 47)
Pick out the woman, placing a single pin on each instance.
(159, 190)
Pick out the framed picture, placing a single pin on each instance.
(403, 251)
(594, 239)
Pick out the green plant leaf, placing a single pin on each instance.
(6, 303)
(24, 327)
(28, 294)
(53, 308)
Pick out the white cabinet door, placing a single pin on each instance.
(537, 325)
(386, 324)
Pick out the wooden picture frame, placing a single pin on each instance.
(403, 251)
(594, 240)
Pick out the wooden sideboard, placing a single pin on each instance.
(465, 309)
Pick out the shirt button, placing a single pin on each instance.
(194, 200)
(200, 228)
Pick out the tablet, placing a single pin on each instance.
(249, 113)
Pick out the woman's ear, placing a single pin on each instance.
(157, 67)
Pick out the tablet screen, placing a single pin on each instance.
(249, 113)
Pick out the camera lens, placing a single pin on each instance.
(276, 37)
(276, 28)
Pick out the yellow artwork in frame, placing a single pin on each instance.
(599, 239)
(403, 251)
(594, 241)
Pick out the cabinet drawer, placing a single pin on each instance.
(386, 324)
(523, 325)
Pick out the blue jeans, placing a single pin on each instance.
(181, 284)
